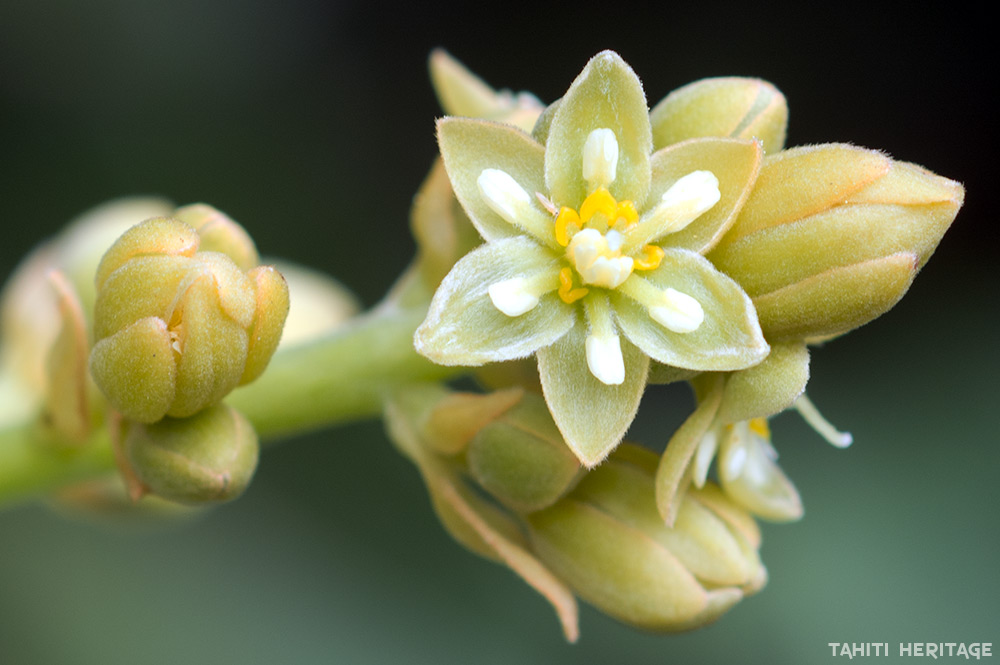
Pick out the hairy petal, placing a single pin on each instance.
(607, 94)
(464, 327)
(591, 415)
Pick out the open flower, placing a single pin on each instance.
(593, 257)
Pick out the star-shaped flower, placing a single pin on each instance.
(593, 256)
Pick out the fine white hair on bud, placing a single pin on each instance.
(678, 312)
(600, 158)
(512, 296)
(604, 358)
(502, 193)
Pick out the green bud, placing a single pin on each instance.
(744, 108)
(441, 228)
(458, 417)
(768, 388)
(219, 233)
(209, 457)
(461, 92)
(832, 236)
(608, 542)
(521, 458)
(32, 313)
(175, 328)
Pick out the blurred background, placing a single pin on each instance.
(312, 124)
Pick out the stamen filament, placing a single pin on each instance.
(509, 200)
(676, 311)
(685, 201)
(815, 419)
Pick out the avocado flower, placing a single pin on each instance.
(593, 258)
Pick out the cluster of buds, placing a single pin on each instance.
(505, 485)
(183, 315)
(178, 315)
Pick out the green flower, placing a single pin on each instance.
(593, 255)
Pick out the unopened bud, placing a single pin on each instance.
(219, 233)
(461, 92)
(209, 457)
(743, 108)
(832, 236)
(521, 458)
(175, 328)
(608, 541)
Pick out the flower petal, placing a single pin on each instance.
(464, 327)
(730, 106)
(606, 94)
(734, 162)
(729, 337)
(471, 146)
(591, 415)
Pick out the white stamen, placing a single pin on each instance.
(811, 415)
(752, 479)
(502, 193)
(685, 201)
(600, 158)
(596, 261)
(604, 358)
(707, 447)
(512, 296)
(678, 312)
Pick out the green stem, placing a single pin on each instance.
(337, 378)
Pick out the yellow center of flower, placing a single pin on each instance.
(593, 240)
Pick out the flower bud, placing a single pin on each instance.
(742, 108)
(461, 92)
(209, 457)
(177, 328)
(521, 458)
(219, 233)
(32, 312)
(440, 227)
(832, 236)
(607, 540)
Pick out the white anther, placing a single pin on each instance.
(600, 158)
(678, 312)
(502, 193)
(750, 476)
(604, 358)
(512, 296)
(704, 455)
(685, 201)
(595, 260)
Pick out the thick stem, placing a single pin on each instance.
(337, 378)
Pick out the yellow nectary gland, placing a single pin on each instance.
(593, 240)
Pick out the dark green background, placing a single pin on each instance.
(312, 124)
